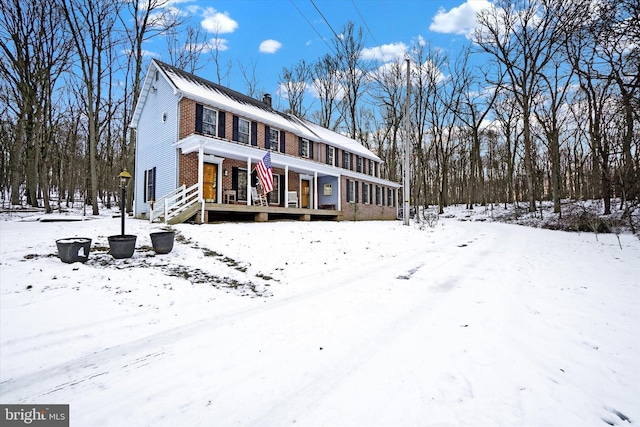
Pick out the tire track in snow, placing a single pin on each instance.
(298, 401)
(81, 370)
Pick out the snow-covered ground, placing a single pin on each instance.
(468, 323)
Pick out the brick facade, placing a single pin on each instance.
(188, 167)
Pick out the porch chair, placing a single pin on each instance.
(292, 198)
(258, 199)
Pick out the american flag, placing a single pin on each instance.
(264, 173)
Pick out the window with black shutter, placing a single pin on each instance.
(150, 184)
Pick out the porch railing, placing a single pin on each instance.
(172, 204)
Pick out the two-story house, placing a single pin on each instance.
(197, 145)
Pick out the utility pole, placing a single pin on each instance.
(406, 178)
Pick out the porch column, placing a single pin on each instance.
(339, 192)
(316, 190)
(286, 186)
(249, 181)
(201, 180)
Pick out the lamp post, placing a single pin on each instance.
(125, 177)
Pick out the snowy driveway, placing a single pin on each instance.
(466, 324)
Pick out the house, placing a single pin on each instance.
(198, 143)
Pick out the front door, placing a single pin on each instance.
(210, 182)
(305, 201)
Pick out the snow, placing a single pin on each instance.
(468, 323)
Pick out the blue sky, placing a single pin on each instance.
(274, 33)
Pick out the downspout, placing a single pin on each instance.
(177, 157)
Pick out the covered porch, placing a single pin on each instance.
(306, 189)
(221, 212)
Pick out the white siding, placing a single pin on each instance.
(154, 141)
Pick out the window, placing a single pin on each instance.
(351, 192)
(331, 152)
(378, 195)
(365, 193)
(274, 139)
(150, 184)
(274, 196)
(345, 160)
(209, 121)
(359, 164)
(389, 197)
(242, 184)
(244, 134)
(304, 148)
(370, 167)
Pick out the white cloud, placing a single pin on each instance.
(213, 44)
(460, 19)
(385, 53)
(218, 22)
(270, 46)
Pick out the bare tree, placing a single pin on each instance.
(507, 116)
(477, 98)
(388, 91)
(251, 80)
(35, 53)
(522, 36)
(185, 47)
(328, 90)
(352, 71)
(548, 110)
(150, 18)
(90, 25)
(293, 84)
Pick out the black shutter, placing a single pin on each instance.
(311, 150)
(198, 118)
(153, 189)
(221, 125)
(351, 161)
(326, 154)
(234, 178)
(300, 146)
(234, 125)
(254, 133)
(281, 189)
(282, 140)
(267, 143)
(145, 186)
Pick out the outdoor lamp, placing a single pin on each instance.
(125, 177)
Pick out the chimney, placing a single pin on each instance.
(267, 99)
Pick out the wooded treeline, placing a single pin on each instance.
(552, 112)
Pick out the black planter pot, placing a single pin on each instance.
(73, 249)
(162, 241)
(122, 245)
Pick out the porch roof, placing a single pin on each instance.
(232, 150)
